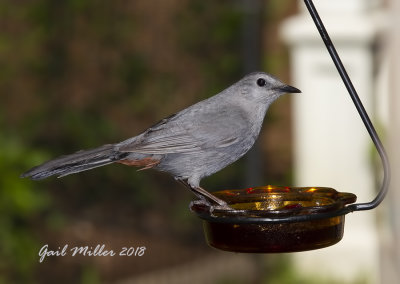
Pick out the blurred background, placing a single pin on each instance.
(77, 74)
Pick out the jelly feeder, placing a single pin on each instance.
(273, 219)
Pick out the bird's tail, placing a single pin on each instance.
(75, 163)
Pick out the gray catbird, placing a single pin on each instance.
(191, 144)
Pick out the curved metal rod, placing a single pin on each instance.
(360, 108)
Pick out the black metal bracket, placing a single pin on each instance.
(360, 108)
(367, 123)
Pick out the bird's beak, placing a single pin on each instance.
(289, 89)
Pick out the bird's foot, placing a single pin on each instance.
(219, 208)
(211, 201)
(206, 203)
(206, 198)
(199, 203)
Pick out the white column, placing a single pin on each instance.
(390, 115)
(331, 145)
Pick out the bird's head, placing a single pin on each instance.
(260, 87)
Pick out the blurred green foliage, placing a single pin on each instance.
(220, 45)
(21, 205)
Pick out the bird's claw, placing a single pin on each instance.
(212, 207)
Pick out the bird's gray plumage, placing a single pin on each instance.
(191, 144)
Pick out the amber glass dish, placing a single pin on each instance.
(273, 202)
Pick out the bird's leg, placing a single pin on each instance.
(205, 196)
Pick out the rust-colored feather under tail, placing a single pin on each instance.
(146, 163)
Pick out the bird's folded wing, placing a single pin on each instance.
(163, 145)
(211, 130)
(174, 144)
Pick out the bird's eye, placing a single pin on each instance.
(261, 82)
